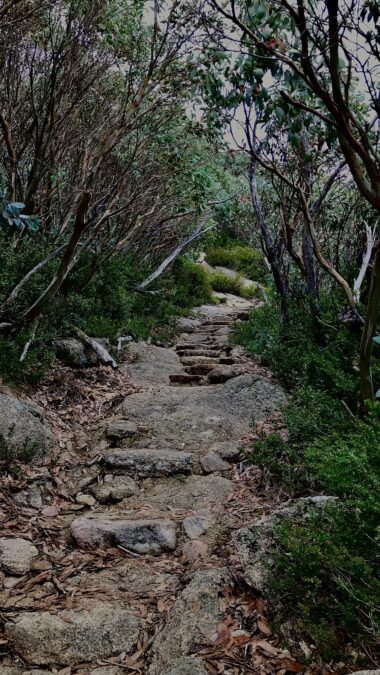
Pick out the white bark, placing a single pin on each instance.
(371, 236)
(101, 351)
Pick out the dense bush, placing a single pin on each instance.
(107, 307)
(226, 284)
(243, 259)
(326, 568)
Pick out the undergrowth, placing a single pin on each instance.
(108, 307)
(326, 567)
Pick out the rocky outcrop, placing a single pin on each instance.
(77, 354)
(23, 433)
(255, 544)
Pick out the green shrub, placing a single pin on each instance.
(225, 284)
(245, 260)
(326, 575)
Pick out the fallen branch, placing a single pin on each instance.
(371, 238)
(174, 254)
(98, 348)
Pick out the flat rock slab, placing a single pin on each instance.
(147, 462)
(195, 492)
(151, 364)
(22, 429)
(141, 536)
(121, 429)
(73, 636)
(16, 555)
(198, 417)
(194, 616)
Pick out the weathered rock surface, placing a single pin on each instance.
(199, 416)
(118, 430)
(73, 636)
(187, 666)
(226, 372)
(151, 364)
(141, 536)
(187, 325)
(107, 670)
(16, 555)
(22, 431)
(195, 492)
(114, 488)
(255, 543)
(195, 616)
(198, 523)
(194, 550)
(146, 462)
(213, 462)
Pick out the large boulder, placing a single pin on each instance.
(73, 636)
(255, 544)
(23, 433)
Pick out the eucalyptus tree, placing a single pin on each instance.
(86, 90)
(324, 59)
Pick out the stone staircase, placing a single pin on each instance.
(159, 494)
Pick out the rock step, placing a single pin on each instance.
(149, 462)
(217, 324)
(150, 537)
(186, 378)
(213, 353)
(210, 346)
(200, 368)
(194, 360)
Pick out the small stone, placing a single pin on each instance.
(16, 555)
(198, 524)
(120, 429)
(10, 582)
(87, 500)
(226, 372)
(73, 636)
(40, 566)
(142, 536)
(195, 550)
(114, 488)
(212, 462)
(227, 450)
(34, 497)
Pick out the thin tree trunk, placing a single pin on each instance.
(369, 330)
(64, 267)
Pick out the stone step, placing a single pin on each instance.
(213, 353)
(221, 374)
(150, 537)
(217, 324)
(149, 462)
(194, 360)
(202, 345)
(186, 378)
(200, 369)
(227, 360)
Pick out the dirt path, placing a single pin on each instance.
(146, 577)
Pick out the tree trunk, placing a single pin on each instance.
(369, 330)
(64, 266)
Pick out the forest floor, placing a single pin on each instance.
(136, 518)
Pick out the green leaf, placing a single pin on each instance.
(377, 339)
(377, 395)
